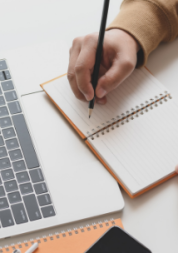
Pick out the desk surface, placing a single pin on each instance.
(153, 217)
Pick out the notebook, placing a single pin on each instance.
(134, 135)
(77, 240)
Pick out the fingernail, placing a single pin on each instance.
(87, 97)
(176, 168)
(101, 93)
(101, 102)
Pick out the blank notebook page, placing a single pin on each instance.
(140, 87)
(143, 150)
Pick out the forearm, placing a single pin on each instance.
(149, 22)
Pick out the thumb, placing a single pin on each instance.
(119, 71)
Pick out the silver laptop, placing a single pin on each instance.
(67, 184)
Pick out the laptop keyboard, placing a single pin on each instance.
(24, 195)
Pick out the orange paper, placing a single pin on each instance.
(78, 240)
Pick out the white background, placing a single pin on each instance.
(153, 217)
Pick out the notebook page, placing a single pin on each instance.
(141, 86)
(144, 150)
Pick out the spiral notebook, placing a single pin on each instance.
(77, 240)
(134, 135)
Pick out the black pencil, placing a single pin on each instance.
(98, 54)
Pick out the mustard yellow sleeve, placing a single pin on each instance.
(149, 22)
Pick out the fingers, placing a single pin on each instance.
(120, 69)
(84, 66)
(82, 60)
(74, 52)
(118, 62)
(101, 101)
(83, 69)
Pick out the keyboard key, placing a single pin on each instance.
(7, 174)
(3, 65)
(3, 152)
(10, 96)
(1, 141)
(36, 175)
(12, 143)
(2, 101)
(11, 186)
(0, 181)
(25, 141)
(26, 188)
(7, 74)
(8, 133)
(14, 107)
(32, 207)
(3, 203)
(3, 111)
(48, 211)
(15, 154)
(6, 218)
(19, 213)
(14, 197)
(2, 192)
(22, 177)
(19, 166)
(2, 77)
(5, 122)
(7, 85)
(0, 91)
(44, 200)
(4, 163)
(40, 188)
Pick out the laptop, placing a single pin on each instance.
(45, 179)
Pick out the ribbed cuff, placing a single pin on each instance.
(146, 22)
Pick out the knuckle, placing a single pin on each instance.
(70, 76)
(76, 41)
(110, 79)
(90, 38)
(128, 64)
(79, 68)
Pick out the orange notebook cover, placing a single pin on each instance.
(99, 157)
(78, 240)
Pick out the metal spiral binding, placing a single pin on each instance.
(134, 113)
(57, 235)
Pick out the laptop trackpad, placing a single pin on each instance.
(80, 186)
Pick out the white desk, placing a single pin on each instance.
(153, 217)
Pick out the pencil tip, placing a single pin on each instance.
(89, 112)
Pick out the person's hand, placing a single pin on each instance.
(118, 61)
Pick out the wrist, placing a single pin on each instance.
(126, 37)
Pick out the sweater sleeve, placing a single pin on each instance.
(149, 22)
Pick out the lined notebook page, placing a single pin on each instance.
(143, 150)
(140, 87)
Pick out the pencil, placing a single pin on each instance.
(32, 248)
(98, 54)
